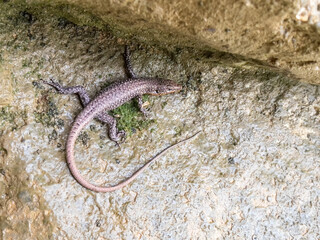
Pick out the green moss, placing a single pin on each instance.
(128, 118)
(26, 63)
(9, 117)
(6, 115)
(47, 112)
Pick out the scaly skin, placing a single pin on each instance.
(114, 96)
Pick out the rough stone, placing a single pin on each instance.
(252, 173)
(281, 34)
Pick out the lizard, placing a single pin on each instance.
(112, 97)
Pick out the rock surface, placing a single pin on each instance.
(284, 34)
(252, 173)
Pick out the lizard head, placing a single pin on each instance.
(163, 87)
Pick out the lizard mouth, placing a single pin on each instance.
(165, 93)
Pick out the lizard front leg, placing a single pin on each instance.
(114, 134)
(81, 91)
(141, 108)
(127, 61)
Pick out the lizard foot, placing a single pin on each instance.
(54, 84)
(145, 112)
(120, 138)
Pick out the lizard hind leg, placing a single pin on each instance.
(81, 91)
(114, 134)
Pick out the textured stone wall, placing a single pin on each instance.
(252, 173)
(283, 34)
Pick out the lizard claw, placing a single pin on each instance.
(121, 137)
(52, 83)
(145, 112)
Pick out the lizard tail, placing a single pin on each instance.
(76, 128)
